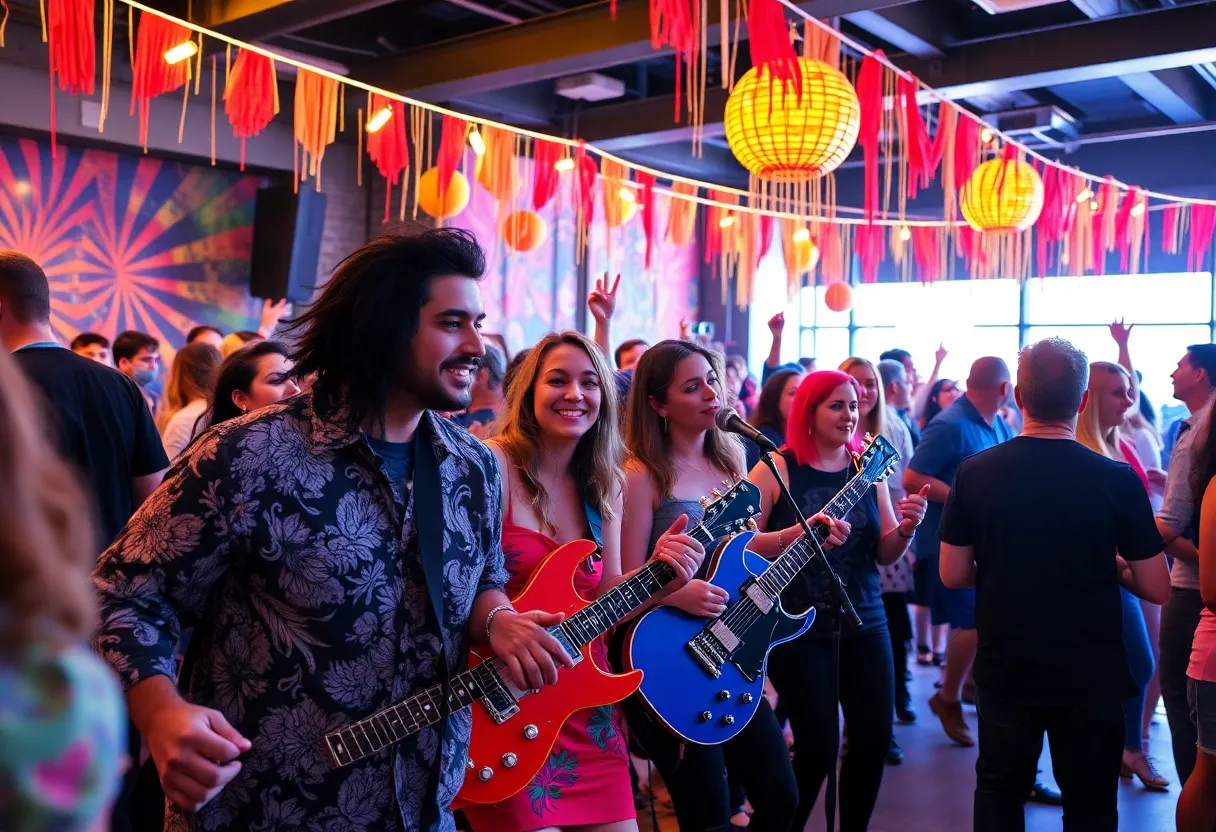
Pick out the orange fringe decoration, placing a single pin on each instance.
(150, 75)
(315, 119)
(681, 214)
(498, 168)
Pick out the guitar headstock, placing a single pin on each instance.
(731, 512)
(878, 458)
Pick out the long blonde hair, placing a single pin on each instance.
(645, 437)
(596, 465)
(1089, 431)
(47, 540)
(876, 422)
(191, 378)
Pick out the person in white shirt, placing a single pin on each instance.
(191, 381)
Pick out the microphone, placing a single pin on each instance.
(731, 422)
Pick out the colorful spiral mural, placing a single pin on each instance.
(130, 242)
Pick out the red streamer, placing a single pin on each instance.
(585, 174)
(869, 95)
(769, 39)
(1203, 223)
(919, 154)
(451, 149)
(927, 252)
(870, 245)
(545, 175)
(251, 97)
(676, 23)
(965, 161)
(388, 147)
(646, 180)
(70, 41)
(152, 75)
(1123, 222)
(766, 237)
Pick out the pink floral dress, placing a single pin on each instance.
(586, 778)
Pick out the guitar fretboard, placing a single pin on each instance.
(779, 574)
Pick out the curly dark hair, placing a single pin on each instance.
(357, 332)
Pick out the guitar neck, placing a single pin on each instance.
(396, 722)
(616, 604)
(781, 571)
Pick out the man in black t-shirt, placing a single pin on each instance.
(1046, 531)
(103, 425)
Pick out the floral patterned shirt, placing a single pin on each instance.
(280, 539)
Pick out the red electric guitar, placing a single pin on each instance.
(514, 730)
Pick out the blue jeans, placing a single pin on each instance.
(1140, 661)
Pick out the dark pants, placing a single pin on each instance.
(801, 671)
(696, 775)
(1179, 618)
(1086, 744)
(899, 625)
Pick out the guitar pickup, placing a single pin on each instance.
(724, 635)
(759, 597)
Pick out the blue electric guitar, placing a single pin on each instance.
(702, 677)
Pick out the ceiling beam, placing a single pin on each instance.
(1177, 93)
(1106, 48)
(1149, 42)
(908, 28)
(567, 43)
(260, 19)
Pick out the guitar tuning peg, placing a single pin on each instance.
(726, 483)
(751, 523)
(716, 493)
(704, 502)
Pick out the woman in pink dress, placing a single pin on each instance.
(559, 449)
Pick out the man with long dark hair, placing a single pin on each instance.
(335, 554)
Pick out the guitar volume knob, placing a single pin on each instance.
(531, 732)
(485, 774)
(723, 695)
(509, 760)
(706, 716)
(746, 699)
(728, 720)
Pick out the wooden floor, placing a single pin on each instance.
(932, 790)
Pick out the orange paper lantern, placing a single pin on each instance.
(839, 297)
(781, 136)
(524, 230)
(1002, 195)
(451, 202)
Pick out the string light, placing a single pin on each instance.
(802, 235)
(1138, 209)
(727, 221)
(564, 165)
(1093, 205)
(987, 135)
(380, 118)
(1084, 195)
(905, 233)
(184, 51)
(477, 143)
(627, 194)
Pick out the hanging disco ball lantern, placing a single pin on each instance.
(781, 136)
(1002, 195)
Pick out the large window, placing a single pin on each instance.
(972, 318)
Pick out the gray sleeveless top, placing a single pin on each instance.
(667, 513)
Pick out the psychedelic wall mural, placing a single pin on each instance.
(130, 242)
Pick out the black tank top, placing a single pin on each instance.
(854, 562)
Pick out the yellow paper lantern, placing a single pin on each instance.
(453, 200)
(782, 137)
(523, 231)
(806, 255)
(1002, 195)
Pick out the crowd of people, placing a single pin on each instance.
(296, 527)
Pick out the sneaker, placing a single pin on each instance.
(953, 723)
(895, 754)
(905, 714)
(1042, 793)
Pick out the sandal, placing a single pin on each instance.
(1146, 769)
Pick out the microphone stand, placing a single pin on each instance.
(840, 606)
